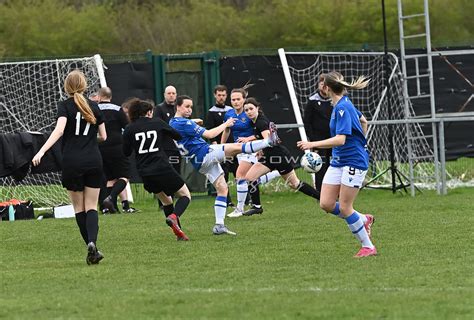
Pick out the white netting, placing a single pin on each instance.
(372, 102)
(29, 93)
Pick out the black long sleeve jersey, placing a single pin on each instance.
(317, 114)
(146, 136)
(215, 117)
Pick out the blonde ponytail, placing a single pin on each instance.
(84, 108)
(338, 85)
(75, 84)
(360, 83)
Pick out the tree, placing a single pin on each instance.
(79, 27)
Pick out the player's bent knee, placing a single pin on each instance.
(294, 184)
(292, 181)
(184, 192)
(221, 187)
(327, 206)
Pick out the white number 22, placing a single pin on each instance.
(141, 136)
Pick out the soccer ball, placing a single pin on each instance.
(311, 162)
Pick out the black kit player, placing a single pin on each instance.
(79, 121)
(116, 164)
(144, 135)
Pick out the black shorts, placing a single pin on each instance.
(92, 178)
(169, 182)
(116, 164)
(116, 167)
(277, 158)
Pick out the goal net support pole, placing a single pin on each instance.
(291, 91)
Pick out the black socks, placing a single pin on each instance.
(181, 205)
(168, 209)
(81, 223)
(308, 190)
(254, 191)
(92, 225)
(118, 187)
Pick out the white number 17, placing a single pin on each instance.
(78, 125)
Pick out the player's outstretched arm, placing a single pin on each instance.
(212, 133)
(337, 140)
(198, 121)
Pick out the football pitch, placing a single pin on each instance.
(291, 262)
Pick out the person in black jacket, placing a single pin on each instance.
(317, 114)
(79, 121)
(145, 135)
(165, 111)
(215, 117)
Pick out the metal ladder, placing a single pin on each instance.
(414, 81)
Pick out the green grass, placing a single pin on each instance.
(292, 262)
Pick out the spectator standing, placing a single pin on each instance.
(166, 111)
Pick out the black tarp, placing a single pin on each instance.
(265, 72)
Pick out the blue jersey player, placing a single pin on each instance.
(206, 158)
(350, 160)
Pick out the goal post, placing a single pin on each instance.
(293, 98)
(301, 71)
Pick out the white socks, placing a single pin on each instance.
(220, 206)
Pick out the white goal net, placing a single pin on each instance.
(410, 144)
(29, 93)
